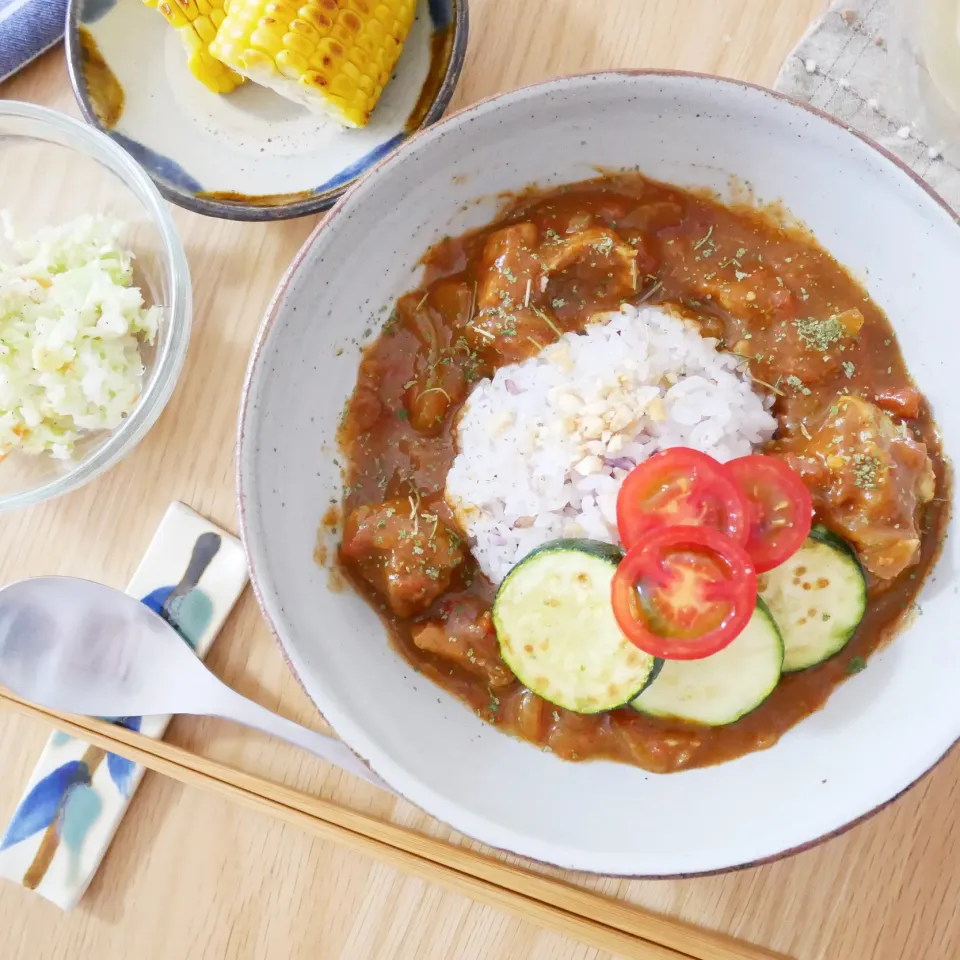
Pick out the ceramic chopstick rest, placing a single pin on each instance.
(192, 574)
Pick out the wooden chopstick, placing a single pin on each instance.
(599, 921)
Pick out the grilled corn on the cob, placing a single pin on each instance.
(333, 56)
(197, 22)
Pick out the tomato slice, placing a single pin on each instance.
(677, 487)
(684, 593)
(779, 509)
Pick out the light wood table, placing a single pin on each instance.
(192, 878)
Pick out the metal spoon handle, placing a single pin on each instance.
(232, 706)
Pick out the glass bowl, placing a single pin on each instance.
(53, 169)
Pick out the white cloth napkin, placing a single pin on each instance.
(853, 63)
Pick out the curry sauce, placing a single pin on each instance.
(808, 335)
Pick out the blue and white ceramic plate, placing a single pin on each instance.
(249, 155)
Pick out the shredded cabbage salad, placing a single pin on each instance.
(71, 326)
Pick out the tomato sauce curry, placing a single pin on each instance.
(851, 423)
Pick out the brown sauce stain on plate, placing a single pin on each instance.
(325, 549)
(441, 49)
(255, 200)
(103, 88)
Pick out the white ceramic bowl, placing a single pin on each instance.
(879, 732)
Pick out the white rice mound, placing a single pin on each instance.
(544, 446)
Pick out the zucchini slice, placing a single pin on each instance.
(557, 633)
(818, 598)
(721, 688)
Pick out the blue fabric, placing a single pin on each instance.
(27, 28)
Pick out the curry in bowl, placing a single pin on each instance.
(639, 476)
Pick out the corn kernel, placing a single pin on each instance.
(188, 8)
(350, 21)
(256, 62)
(205, 28)
(291, 64)
(267, 37)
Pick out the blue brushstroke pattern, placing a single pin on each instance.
(42, 804)
(156, 599)
(81, 809)
(355, 169)
(159, 165)
(121, 769)
(170, 171)
(189, 615)
(94, 10)
(441, 13)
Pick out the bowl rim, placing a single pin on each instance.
(252, 212)
(170, 358)
(271, 317)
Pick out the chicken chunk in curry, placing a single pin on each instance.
(407, 554)
(868, 476)
(463, 634)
